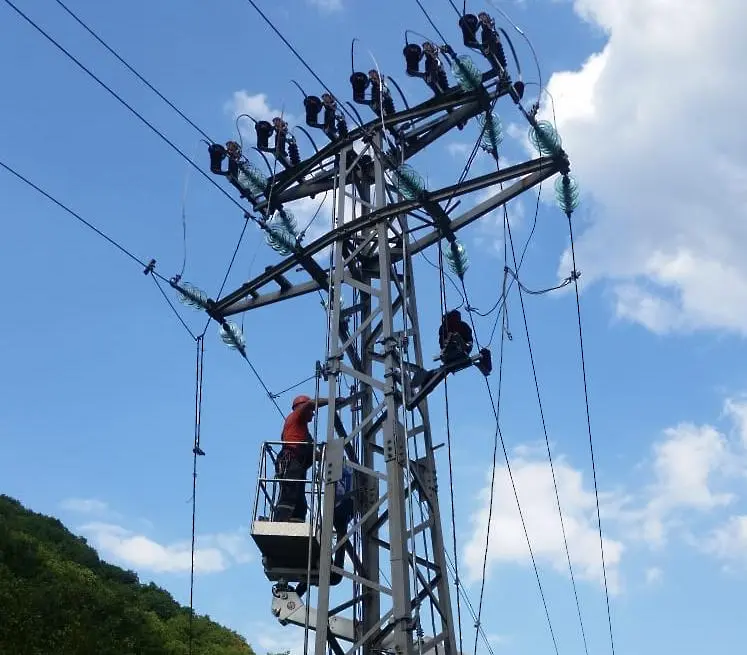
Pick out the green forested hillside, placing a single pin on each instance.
(58, 598)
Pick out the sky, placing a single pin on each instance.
(97, 417)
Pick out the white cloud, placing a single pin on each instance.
(256, 105)
(653, 129)
(654, 576)
(234, 544)
(327, 5)
(274, 638)
(142, 553)
(537, 496)
(490, 228)
(729, 542)
(460, 150)
(736, 410)
(84, 505)
(685, 464)
(693, 470)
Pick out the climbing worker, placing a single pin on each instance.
(344, 512)
(344, 501)
(295, 459)
(454, 337)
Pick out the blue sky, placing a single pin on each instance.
(99, 376)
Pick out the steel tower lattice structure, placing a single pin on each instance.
(383, 216)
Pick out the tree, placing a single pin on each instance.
(58, 596)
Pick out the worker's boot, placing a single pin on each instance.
(485, 363)
(455, 351)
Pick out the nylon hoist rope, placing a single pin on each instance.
(196, 451)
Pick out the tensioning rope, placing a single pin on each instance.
(588, 425)
(196, 452)
(504, 314)
(457, 581)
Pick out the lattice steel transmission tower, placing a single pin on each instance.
(393, 594)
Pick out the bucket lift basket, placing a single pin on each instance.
(285, 546)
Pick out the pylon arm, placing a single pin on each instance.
(431, 379)
(289, 609)
(262, 290)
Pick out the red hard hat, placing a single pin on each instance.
(300, 400)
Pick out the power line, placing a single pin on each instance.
(591, 442)
(492, 485)
(430, 20)
(230, 266)
(457, 581)
(74, 214)
(521, 516)
(508, 272)
(147, 268)
(125, 104)
(511, 475)
(173, 308)
(505, 290)
(295, 52)
(446, 275)
(271, 25)
(196, 451)
(461, 178)
(547, 443)
(470, 607)
(264, 386)
(133, 258)
(295, 386)
(473, 154)
(131, 69)
(465, 296)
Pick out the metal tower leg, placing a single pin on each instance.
(393, 489)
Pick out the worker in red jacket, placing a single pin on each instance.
(295, 459)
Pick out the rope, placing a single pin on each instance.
(591, 442)
(264, 386)
(470, 608)
(173, 308)
(448, 277)
(457, 582)
(521, 516)
(298, 384)
(309, 552)
(511, 476)
(328, 345)
(410, 476)
(547, 444)
(228, 270)
(504, 313)
(197, 451)
(507, 227)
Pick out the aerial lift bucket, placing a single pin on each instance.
(285, 546)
